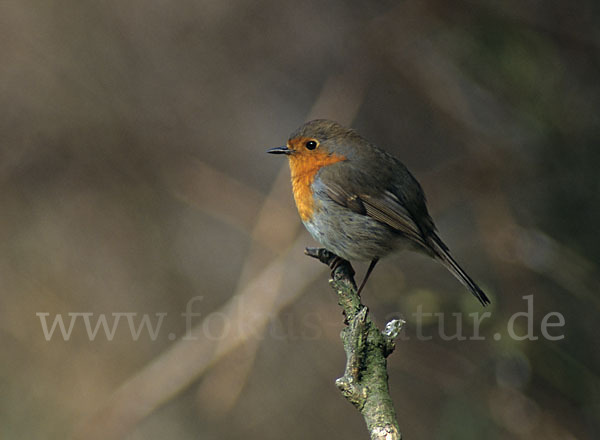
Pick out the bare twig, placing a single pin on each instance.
(365, 379)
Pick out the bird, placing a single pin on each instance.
(360, 202)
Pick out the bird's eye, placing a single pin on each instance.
(311, 145)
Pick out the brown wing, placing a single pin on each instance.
(386, 209)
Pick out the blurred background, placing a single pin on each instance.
(133, 179)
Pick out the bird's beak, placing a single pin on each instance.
(280, 150)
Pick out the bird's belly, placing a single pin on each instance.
(350, 235)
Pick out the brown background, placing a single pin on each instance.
(133, 179)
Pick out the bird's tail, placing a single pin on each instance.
(441, 252)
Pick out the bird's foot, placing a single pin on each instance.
(330, 259)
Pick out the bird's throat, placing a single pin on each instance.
(304, 168)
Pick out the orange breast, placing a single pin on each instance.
(304, 167)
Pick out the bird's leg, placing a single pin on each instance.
(369, 270)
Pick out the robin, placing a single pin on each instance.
(360, 202)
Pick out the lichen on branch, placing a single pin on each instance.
(365, 379)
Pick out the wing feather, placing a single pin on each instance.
(390, 211)
(387, 210)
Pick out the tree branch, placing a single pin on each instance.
(365, 379)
